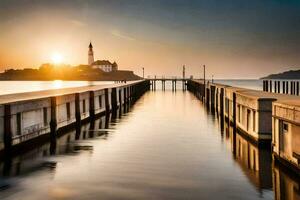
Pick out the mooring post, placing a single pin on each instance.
(275, 85)
(114, 102)
(234, 123)
(297, 89)
(92, 104)
(207, 97)
(53, 121)
(7, 127)
(77, 108)
(107, 106)
(271, 87)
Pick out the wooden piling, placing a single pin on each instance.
(92, 104)
(77, 109)
(114, 102)
(53, 121)
(107, 106)
(7, 127)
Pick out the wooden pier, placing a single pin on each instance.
(163, 80)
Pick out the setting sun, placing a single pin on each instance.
(56, 58)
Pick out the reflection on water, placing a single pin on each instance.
(167, 146)
(12, 87)
(286, 184)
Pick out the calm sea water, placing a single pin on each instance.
(167, 146)
(11, 87)
(246, 83)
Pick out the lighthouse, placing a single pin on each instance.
(90, 54)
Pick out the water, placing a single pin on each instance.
(168, 146)
(11, 87)
(254, 84)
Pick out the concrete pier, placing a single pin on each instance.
(262, 117)
(288, 87)
(28, 116)
(286, 133)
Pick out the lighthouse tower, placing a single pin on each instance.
(90, 54)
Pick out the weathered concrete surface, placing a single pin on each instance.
(286, 131)
(262, 116)
(26, 116)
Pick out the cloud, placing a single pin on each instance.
(117, 33)
(77, 23)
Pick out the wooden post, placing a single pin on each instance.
(53, 121)
(297, 88)
(271, 88)
(92, 104)
(7, 127)
(234, 123)
(77, 108)
(114, 102)
(107, 106)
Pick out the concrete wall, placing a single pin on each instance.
(23, 120)
(65, 110)
(29, 119)
(1, 127)
(286, 132)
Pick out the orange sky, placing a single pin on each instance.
(160, 39)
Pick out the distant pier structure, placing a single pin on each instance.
(174, 80)
(282, 86)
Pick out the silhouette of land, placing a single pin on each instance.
(292, 74)
(48, 72)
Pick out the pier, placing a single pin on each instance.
(163, 80)
(28, 116)
(265, 118)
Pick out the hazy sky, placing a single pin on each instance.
(234, 38)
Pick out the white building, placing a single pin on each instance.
(104, 65)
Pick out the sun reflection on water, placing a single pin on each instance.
(57, 84)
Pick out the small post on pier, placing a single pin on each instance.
(275, 85)
(267, 85)
(287, 87)
(143, 73)
(297, 88)
(114, 102)
(234, 124)
(271, 87)
(53, 121)
(278, 87)
(204, 80)
(92, 104)
(107, 106)
(77, 109)
(7, 127)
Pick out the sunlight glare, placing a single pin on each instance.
(56, 58)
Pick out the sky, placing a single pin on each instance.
(233, 38)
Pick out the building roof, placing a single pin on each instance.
(101, 62)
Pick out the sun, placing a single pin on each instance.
(56, 58)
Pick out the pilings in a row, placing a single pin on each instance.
(281, 86)
(22, 121)
(164, 81)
